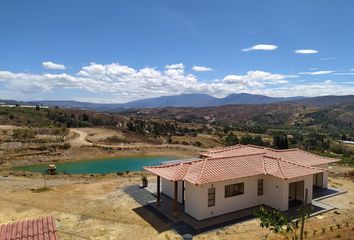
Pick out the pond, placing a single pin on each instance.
(106, 165)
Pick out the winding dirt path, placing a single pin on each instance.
(81, 139)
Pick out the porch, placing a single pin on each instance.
(164, 208)
(319, 193)
(184, 223)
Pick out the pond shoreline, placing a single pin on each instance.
(101, 165)
(89, 152)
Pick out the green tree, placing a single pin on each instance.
(231, 139)
(280, 141)
(279, 223)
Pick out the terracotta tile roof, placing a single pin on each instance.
(254, 161)
(173, 172)
(286, 170)
(300, 157)
(221, 169)
(236, 150)
(36, 229)
(293, 155)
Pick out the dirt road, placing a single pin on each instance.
(80, 140)
(84, 133)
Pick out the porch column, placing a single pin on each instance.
(182, 192)
(175, 199)
(158, 190)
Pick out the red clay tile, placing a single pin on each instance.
(243, 161)
(37, 229)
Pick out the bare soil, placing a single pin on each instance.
(99, 207)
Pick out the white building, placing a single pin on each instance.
(239, 177)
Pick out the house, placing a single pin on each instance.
(239, 177)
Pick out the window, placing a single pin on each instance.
(211, 197)
(260, 187)
(234, 189)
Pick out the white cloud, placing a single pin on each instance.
(260, 47)
(175, 66)
(352, 69)
(255, 79)
(53, 66)
(328, 81)
(307, 90)
(120, 83)
(306, 51)
(317, 72)
(201, 69)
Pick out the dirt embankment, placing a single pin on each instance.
(83, 143)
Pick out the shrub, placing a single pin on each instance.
(198, 144)
(66, 146)
(23, 133)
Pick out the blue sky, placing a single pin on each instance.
(117, 51)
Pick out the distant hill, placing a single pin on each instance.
(204, 100)
(245, 98)
(183, 100)
(326, 101)
(195, 101)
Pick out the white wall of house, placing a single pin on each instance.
(167, 188)
(196, 201)
(196, 198)
(275, 195)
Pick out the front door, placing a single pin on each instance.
(296, 193)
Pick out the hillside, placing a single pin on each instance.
(193, 100)
(182, 100)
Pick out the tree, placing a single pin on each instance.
(279, 223)
(85, 117)
(231, 139)
(280, 141)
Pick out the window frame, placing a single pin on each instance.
(235, 189)
(260, 187)
(211, 197)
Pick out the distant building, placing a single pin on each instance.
(23, 106)
(347, 142)
(8, 105)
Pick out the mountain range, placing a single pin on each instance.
(192, 100)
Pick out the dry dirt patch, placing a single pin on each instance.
(99, 208)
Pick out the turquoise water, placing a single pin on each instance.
(107, 165)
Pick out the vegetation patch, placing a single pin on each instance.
(41, 189)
